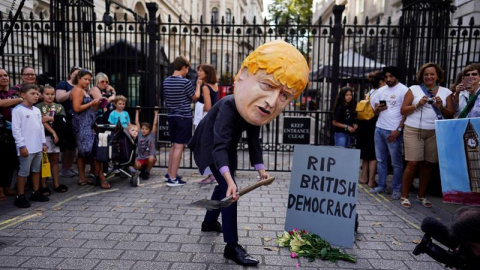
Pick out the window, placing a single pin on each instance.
(228, 16)
(214, 15)
(214, 60)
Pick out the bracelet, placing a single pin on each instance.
(346, 127)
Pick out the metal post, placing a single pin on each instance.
(148, 98)
(337, 33)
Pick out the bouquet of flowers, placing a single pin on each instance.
(312, 246)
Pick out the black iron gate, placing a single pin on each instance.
(135, 53)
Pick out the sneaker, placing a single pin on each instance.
(21, 202)
(167, 176)
(74, 171)
(377, 190)
(175, 182)
(38, 197)
(67, 173)
(146, 175)
(396, 195)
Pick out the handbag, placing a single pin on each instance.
(45, 166)
(364, 109)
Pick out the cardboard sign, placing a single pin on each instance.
(323, 192)
(459, 155)
(296, 130)
(163, 135)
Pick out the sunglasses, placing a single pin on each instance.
(471, 74)
(103, 82)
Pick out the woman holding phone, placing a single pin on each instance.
(422, 105)
(466, 101)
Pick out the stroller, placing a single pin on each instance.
(117, 148)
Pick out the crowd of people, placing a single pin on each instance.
(404, 124)
(64, 118)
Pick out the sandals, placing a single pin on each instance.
(84, 183)
(45, 191)
(405, 202)
(104, 184)
(426, 203)
(208, 180)
(61, 189)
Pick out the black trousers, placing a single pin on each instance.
(229, 214)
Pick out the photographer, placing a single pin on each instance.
(462, 241)
(422, 105)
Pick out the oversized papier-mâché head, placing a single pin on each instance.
(269, 79)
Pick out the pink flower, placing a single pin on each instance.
(295, 229)
(293, 255)
(297, 265)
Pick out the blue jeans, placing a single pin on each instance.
(343, 139)
(382, 149)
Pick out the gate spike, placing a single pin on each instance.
(472, 21)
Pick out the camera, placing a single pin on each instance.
(383, 103)
(458, 252)
(430, 101)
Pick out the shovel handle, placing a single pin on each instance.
(258, 184)
(247, 189)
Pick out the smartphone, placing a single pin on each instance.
(467, 80)
(103, 103)
(383, 103)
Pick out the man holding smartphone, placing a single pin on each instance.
(466, 101)
(388, 132)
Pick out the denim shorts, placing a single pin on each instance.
(31, 163)
(180, 129)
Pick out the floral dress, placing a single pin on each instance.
(82, 128)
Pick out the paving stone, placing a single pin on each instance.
(42, 262)
(388, 264)
(109, 221)
(117, 228)
(12, 261)
(163, 246)
(90, 227)
(104, 253)
(37, 251)
(188, 266)
(92, 235)
(122, 236)
(139, 255)
(71, 243)
(71, 263)
(36, 242)
(99, 244)
(71, 252)
(136, 222)
(87, 220)
(114, 265)
(131, 245)
(144, 265)
(166, 256)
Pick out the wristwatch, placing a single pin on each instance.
(399, 129)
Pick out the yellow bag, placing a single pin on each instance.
(45, 166)
(364, 109)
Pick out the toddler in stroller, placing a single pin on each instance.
(117, 147)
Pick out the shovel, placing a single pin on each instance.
(214, 204)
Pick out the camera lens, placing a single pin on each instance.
(430, 101)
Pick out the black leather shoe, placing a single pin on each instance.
(239, 256)
(209, 227)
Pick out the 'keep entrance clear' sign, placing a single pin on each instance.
(323, 192)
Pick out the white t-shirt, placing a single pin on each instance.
(27, 128)
(390, 118)
(424, 116)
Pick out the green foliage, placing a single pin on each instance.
(291, 10)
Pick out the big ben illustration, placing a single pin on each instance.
(472, 153)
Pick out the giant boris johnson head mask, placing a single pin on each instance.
(269, 79)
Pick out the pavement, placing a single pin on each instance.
(150, 227)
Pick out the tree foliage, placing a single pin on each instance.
(291, 10)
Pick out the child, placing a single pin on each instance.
(146, 145)
(133, 130)
(119, 113)
(28, 131)
(49, 110)
(344, 119)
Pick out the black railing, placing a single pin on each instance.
(136, 53)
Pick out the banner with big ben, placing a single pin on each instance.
(459, 159)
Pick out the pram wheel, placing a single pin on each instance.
(135, 181)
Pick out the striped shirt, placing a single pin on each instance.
(178, 93)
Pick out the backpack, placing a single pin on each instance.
(364, 109)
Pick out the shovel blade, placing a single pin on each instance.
(210, 204)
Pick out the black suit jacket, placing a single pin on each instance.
(216, 138)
